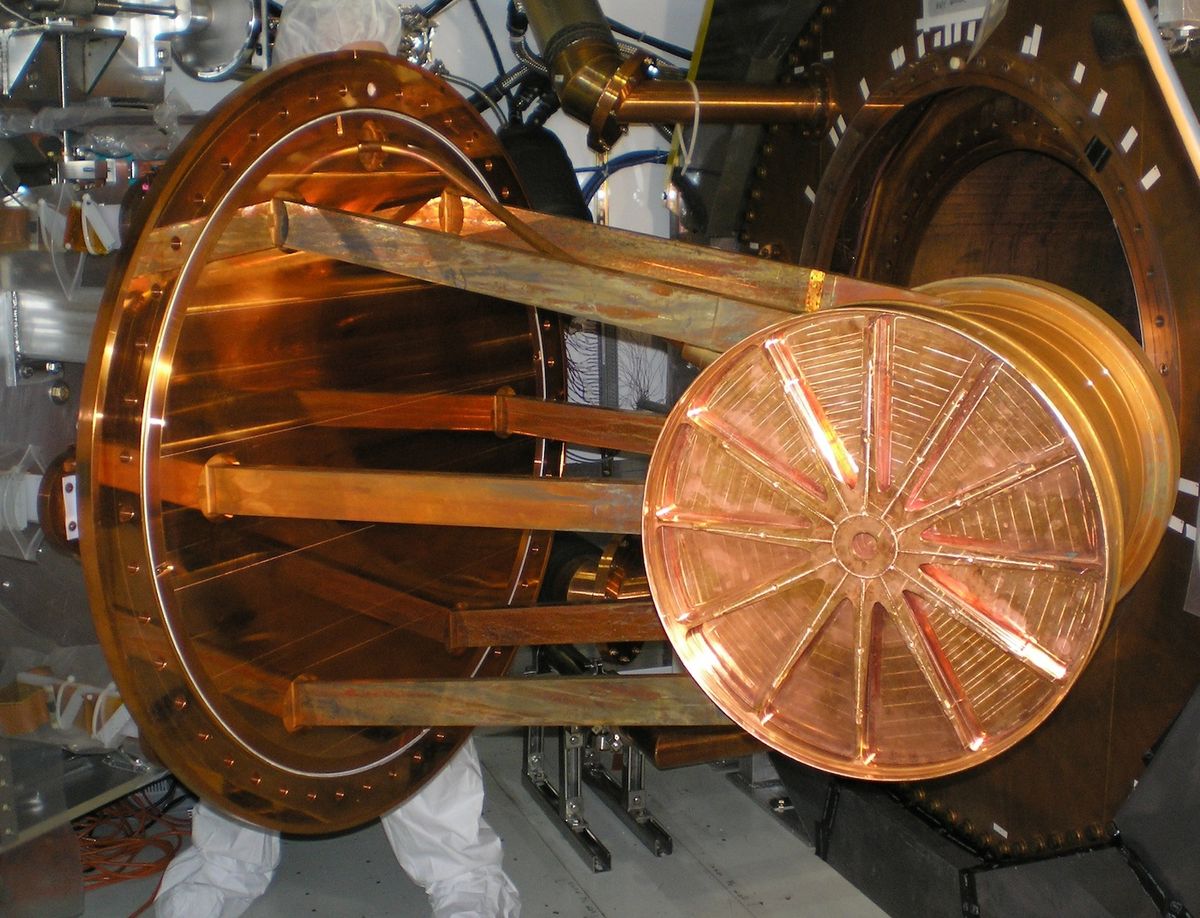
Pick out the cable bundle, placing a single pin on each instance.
(134, 838)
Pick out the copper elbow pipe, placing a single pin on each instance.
(607, 92)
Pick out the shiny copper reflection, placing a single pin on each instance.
(202, 354)
(887, 540)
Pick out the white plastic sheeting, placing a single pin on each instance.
(439, 837)
(317, 26)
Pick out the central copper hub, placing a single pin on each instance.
(864, 545)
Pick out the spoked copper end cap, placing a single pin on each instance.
(886, 539)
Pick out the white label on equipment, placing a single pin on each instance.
(942, 13)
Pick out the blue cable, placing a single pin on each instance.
(624, 161)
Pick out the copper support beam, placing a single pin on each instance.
(168, 246)
(775, 284)
(532, 702)
(760, 281)
(669, 311)
(252, 230)
(576, 623)
(429, 498)
(504, 414)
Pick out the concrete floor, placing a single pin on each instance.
(731, 858)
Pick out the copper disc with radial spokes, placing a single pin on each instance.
(877, 544)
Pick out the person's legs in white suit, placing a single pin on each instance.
(439, 837)
(442, 841)
(230, 864)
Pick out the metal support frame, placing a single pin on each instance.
(626, 797)
(579, 762)
(756, 777)
(8, 801)
(564, 804)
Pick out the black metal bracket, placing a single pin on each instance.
(824, 828)
(968, 892)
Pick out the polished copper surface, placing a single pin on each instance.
(886, 540)
(1117, 390)
(215, 347)
(673, 102)
(958, 163)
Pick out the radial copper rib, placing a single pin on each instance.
(1047, 460)
(923, 643)
(978, 551)
(804, 642)
(877, 433)
(978, 613)
(993, 543)
(736, 600)
(838, 462)
(764, 529)
(952, 419)
(760, 461)
(868, 677)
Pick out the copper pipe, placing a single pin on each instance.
(606, 91)
(584, 60)
(672, 101)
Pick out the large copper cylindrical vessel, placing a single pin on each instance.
(282, 358)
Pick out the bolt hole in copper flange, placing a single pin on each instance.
(887, 538)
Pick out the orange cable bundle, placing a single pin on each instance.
(135, 837)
